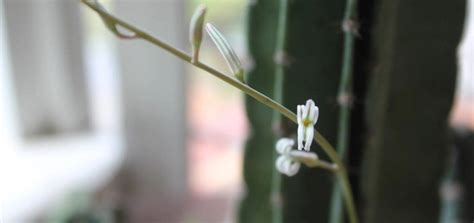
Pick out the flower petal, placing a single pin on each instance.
(293, 169)
(312, 112)
(284, 145)
(310, 103)
(280, 163)
(284, 164)
(299, 114)
(305, 111)
(300, 136)
(315, 115)
(308, 137)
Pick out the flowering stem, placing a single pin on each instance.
(349, 27)
(327, 166)
(325, 145)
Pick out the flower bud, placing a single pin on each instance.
(226, 50)
(195, 31)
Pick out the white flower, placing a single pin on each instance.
(289, 161)
(307, 116)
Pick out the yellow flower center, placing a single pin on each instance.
(307, 122)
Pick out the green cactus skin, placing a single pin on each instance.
(409, 99)
(314, 52)
(259, 161)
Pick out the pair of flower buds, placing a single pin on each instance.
(195, 37)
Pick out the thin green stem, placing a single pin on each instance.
(277, 216)
(327, 166)
(320, 139)
(349, 27)
(341, 175)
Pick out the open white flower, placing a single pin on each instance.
(289, 161)
(307, 116)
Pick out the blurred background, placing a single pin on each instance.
(96, 129)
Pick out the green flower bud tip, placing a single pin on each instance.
(195, 31)
(226, 50)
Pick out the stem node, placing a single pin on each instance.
(351, 26)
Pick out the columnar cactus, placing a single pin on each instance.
(256, 205)
(411, 93)
(313, 60)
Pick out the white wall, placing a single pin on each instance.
(38, 170)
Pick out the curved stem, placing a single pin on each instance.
(325, 145)
(342, 176)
